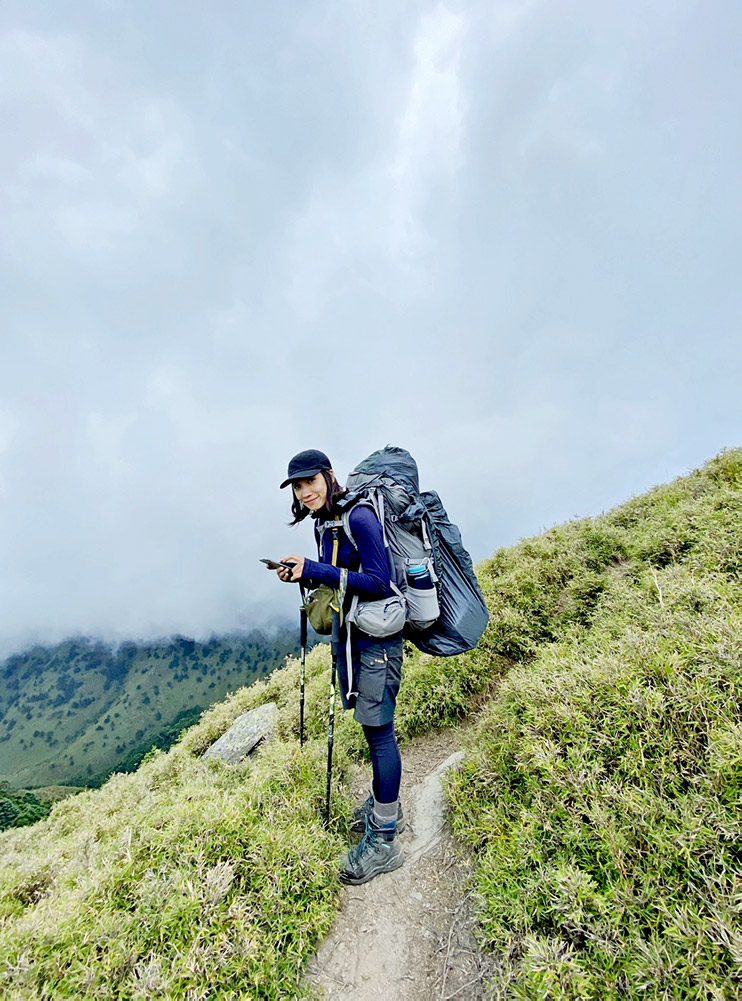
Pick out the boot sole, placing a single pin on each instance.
(390, 866)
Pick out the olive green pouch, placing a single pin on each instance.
(318, 607)
(322, 602)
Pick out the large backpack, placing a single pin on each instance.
(417, 532)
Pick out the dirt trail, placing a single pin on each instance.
(408, 934)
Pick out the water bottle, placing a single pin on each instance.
(418, 576)
(422, 598)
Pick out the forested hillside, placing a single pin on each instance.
(73, 713)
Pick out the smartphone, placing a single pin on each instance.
(275, 564)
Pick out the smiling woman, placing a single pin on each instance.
(311, 492)
(370, 682)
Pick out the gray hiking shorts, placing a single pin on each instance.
(377, 671)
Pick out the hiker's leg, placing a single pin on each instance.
(379, 850)
(387, 768)
(383, 803)
(386, 762)
(379, 672)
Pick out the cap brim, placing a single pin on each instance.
(304, 474)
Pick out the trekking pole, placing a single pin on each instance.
(331, 726)
(302, 677)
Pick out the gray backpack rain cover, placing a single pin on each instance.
(412, 520)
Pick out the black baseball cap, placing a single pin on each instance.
(305, 465)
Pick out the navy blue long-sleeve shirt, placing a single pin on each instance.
(368, 567)
(369, 574)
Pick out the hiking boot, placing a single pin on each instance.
(375, 853)
(366, 809)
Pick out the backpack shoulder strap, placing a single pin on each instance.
(366, 502)
(345, 518)
(344, 522)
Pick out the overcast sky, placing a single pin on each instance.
(504, 235)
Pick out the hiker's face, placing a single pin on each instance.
(312, 492)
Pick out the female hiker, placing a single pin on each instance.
(371, 687)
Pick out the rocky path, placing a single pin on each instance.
(408, 934)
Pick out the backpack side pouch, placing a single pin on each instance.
(380, 618)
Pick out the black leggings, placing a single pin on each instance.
(385, 761)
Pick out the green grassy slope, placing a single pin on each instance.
(602, 788)
(72, 713)
(599, 792)
(189, 877)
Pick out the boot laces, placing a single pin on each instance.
(370, 842)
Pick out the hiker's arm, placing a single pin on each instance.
(373, 579)
(297, 572)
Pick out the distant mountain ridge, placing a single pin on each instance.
(73, 713)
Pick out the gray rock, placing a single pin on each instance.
(245, 734)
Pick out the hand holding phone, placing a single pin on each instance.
(275, 564)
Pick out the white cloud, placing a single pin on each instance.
(505, 17)
(45, 73)
(59, 169)
(430, 127)
(374, 220)
(9, 425)
(571, 121)
(89, 165)
(500, 234)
